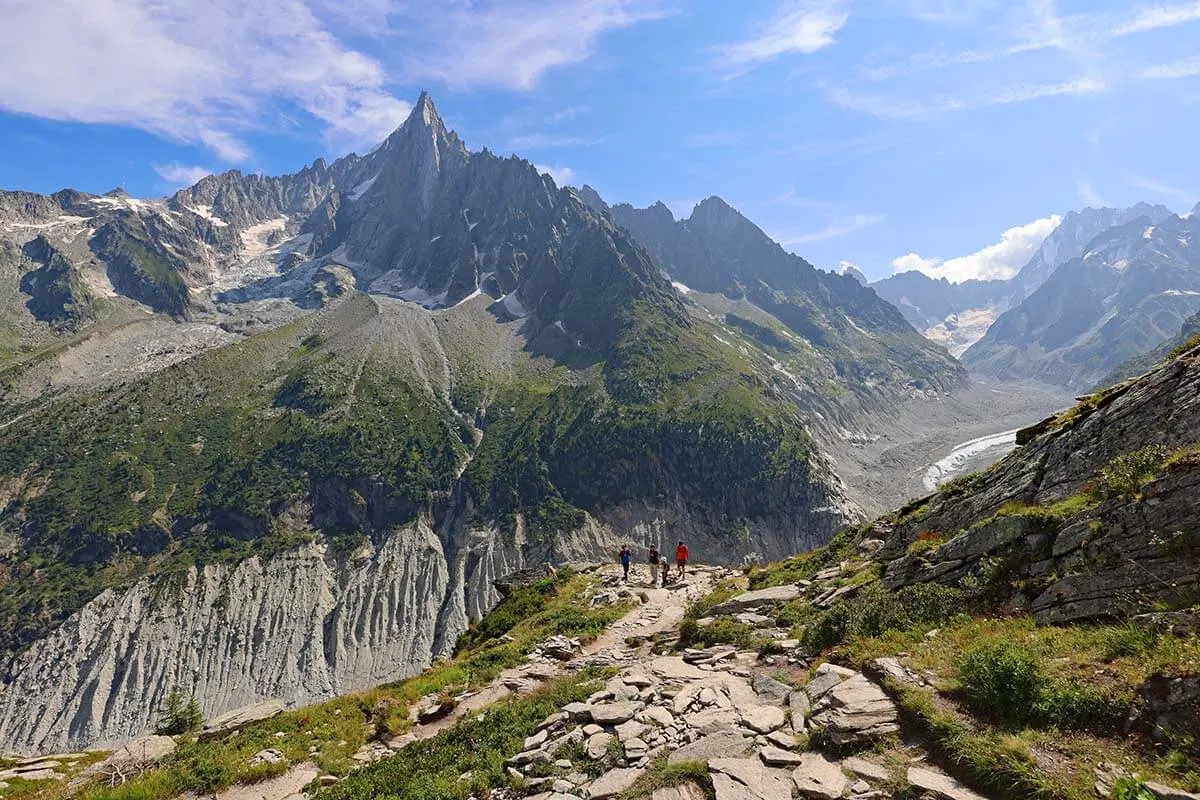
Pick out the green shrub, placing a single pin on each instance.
(179, 714)
(1001, 679)
(926, 542)
(722, 631)
(1127, 788)
(876, 610)
(1008, 681)
(1126, 474)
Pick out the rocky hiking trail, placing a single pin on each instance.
(719, 708)
(669, 722)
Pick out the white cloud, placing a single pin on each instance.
(1088, 194)
(1021, 94)
(834, 229)
(1160, 188)
(799, 26)
(203, 73)
(508, 45)
(999, 261)
(1151, 19)
(1184, 68)
(561, 175)
(180, 175)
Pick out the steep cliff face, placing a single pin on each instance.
(300, 626)
(1095, 515)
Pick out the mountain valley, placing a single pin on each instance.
(425, 361)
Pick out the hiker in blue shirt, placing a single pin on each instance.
(626, 558)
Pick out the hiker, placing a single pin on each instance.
(654, 565)
(626, 558)
(666, 570)
(681, 558)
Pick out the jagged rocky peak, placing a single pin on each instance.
(714, 212)
(421, 144)
(592, 199)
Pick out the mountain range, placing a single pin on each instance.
(265, 410)
(1128, 292)
(1032, 326)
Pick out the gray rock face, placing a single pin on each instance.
(1119, 557)
(297, 628)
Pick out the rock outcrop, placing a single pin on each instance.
(1118, 550)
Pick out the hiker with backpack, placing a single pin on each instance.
(626, 559)
(653, 561)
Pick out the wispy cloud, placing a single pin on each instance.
(214, 73)
(1089, 195)
(179, 175)
(1184, 68)
(201, 73)
(797, 27)
(1022, 94)
(999, 261)
(1157, 17)
(1166, 190)
(509, 45)
(561, 175)
(834, 229)
(1038, 27)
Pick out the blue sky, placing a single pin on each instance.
(937, 134)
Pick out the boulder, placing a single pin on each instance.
(760, 780)
(818, 777)
(940, 785)
(770, 689)
(597, 745)
(726, 788)
(631, 729)
(715, 745)
(763, 719)
(777, 757)
(784, 741)
(689, 791)
(142, 750)
(712, 720)
(856, 710)
(657, 715)
(578, 712)
(862, 768)
(760, 598)
(615, 713)
(537, 740)
(241, 717)
(825, 678)
(675, 668)
(1169, 793)
(611, 783)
